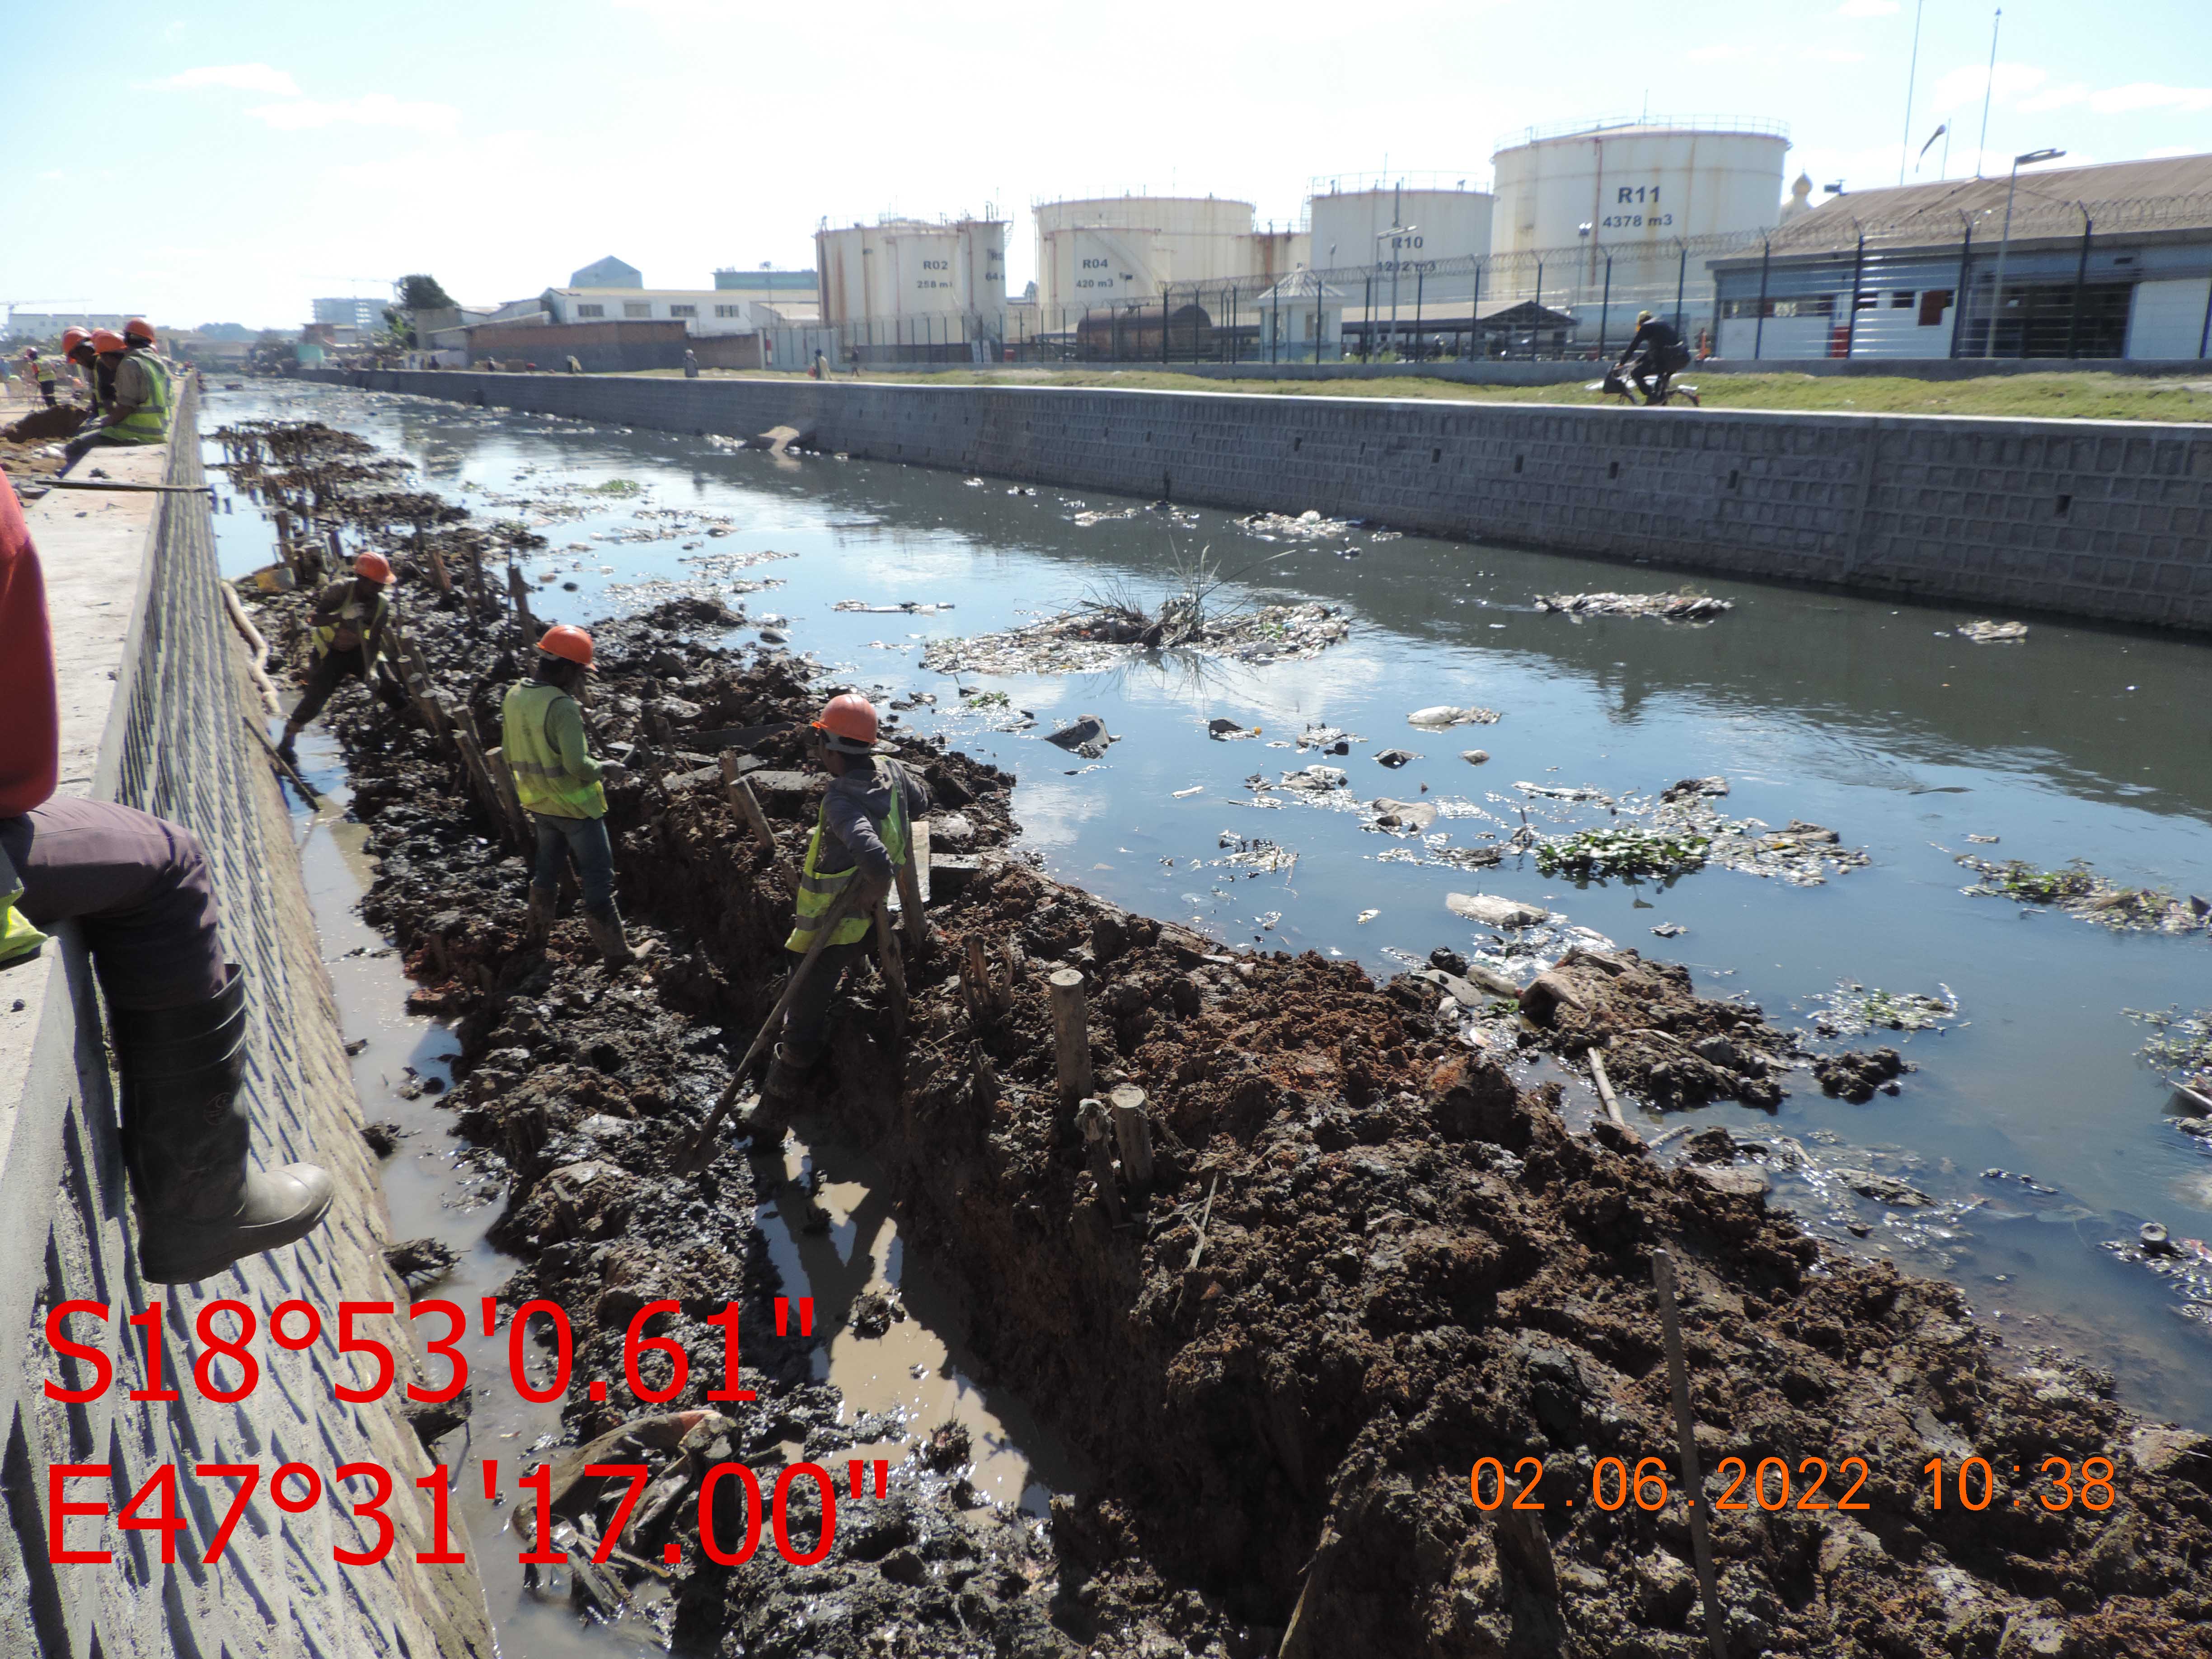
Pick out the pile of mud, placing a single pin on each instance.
(1364, 1261)
(46, 425)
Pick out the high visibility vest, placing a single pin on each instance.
(148, 423)
(541, 782)
(19, 941)
(370, 627)
(44, 371)
(818, 892)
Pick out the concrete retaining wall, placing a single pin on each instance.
(1515, 372)
(154, 696)
(2091, 519)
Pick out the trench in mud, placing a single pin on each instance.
(436, 1186)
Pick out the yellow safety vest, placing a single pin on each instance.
(541, 782)
(148, 423)
(818, 892)
(370, 629)
(44, 371)
(19, 941)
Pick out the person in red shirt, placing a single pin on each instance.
(139, 888)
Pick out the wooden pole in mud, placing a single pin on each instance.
(1133, 1132)
(1605, 1087)
(1678, 1379)
(1071, 1035)
(1096, 1131)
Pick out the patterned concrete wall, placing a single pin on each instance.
(2093, 518)
(155, 699)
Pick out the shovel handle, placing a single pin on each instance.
(847, 902)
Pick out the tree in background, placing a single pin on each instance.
(422, 292)
(418, 292)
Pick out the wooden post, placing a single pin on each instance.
(1605, 1087)
(1091, 1117)
(747, 806)
(503, 780)
(887, 956)
(1071, 1035)
(1132, 1133)
(518, 590)
(1693, 1494)
(284, 541)
(438, 574)
(911, 886)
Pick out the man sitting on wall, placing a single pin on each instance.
(140, 888)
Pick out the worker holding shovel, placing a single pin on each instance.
(861, 836)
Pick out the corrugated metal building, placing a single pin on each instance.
(2098, 262)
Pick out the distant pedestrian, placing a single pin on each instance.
(691, 364)
(820, 368)
(39, 371)
(575, 367)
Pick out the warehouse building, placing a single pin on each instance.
(2094, 262)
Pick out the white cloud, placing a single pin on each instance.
(1963, 87)
(2150, 94)
(375, 109)
(1867, 8)
(239, 78)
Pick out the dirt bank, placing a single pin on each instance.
(1366, 1261)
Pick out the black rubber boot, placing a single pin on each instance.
(605, 927)
(287, 747)
(539, 923)
(185, 1135)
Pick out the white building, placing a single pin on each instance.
(351, 311)
(701, 310)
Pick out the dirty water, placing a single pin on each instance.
(436, 1186)
(1867, 717)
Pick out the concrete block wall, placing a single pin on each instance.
(2108, 519)
(155, 699)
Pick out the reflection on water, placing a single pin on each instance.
(1870, 716)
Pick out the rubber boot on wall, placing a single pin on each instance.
(185, 1138)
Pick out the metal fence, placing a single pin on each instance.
(2052, 278)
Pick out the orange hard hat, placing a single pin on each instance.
(106, 339)
(568, 642)
(850, 717)
(138, 329)
(73, 333)
(375, 567)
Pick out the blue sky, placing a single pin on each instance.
(255, 153)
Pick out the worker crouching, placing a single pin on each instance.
(351, 624)
(861, 836)
(560, 785)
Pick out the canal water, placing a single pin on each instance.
(2031, 1118)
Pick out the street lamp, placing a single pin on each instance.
(1397, 234)
(2004, 246)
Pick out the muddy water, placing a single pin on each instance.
(1870, 717)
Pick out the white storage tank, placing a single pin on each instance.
(912, 268)
(1352, 220)
(1639, 185)
(1097, 249)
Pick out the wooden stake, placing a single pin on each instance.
(1605, 1087)
(909, 885)
(741, 796)
(1678, 1378)
(1133, 1133)
(314, 801)
(887, 955)
(1071, 1035)
(1090, 1116)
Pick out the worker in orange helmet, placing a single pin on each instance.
(861, 836)
(76, 346)
(562, 788)
(351, 625)
(138, 401)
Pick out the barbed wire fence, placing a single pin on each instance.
(2056, 278)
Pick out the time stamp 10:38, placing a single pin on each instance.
(2059, 1484)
